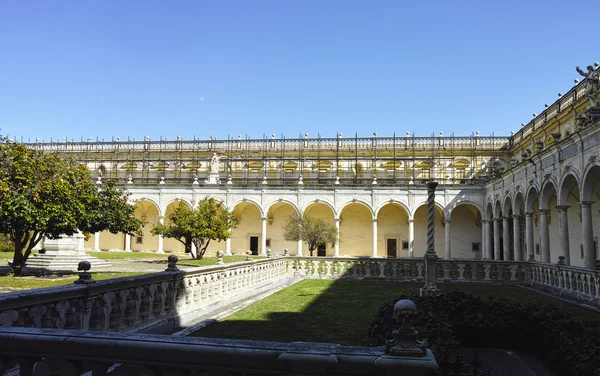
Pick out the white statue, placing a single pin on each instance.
(214, 163)
(592, 83)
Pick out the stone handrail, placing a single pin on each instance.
(411, 269)
(473, 142)
(155, 302)
(71, 352)
(567, 281)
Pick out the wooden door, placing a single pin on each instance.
(391, 248)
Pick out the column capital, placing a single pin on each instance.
(374, 220)
(410, 220)
(264, 218)
(529, 214)
(506, 218)
(497, 219)
(563, 207)
(586, 203)
(337, 219)
(516, 215)
(544, 211)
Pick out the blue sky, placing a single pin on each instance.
(134, 68)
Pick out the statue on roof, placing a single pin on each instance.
(214, 163)
(592, 84)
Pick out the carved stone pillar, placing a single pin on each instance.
(517, 238)
(488, 240)
(336, 247)
(228, 247)
(411, 237)
(299, 248)
(483, 237)
(587, 232)
(160, 251)
(506, 237)
(497, 250)
(529, 242)
(127, 243)
(563, 233)
(447, 240)
(96, 242)
(374, 245)
(545, 235)
(263, 237)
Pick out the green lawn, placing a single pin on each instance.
(127, 255)
(211, 260)
(341, 311)
(8, 283)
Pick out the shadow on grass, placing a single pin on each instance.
(340, 311)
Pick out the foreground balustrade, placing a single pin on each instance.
(156, 302)
(33, 351)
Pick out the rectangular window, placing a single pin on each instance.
(475, 247)
(268, 242)
(404, 244)
(537, 249)
(139, 239)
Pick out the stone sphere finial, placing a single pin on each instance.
(404, 311)
(172, 263)
(84, 266)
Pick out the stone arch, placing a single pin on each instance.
(489, 211)
(283, 200)
(420, 217)
(466, 234)
(518, 203)
(450, 208)
(321, 209)
(248, 234)
(149, 212)
(392, 202)
(392, 229)
(547, 192)
(498, 209)
(173, 245)
(568, 182)
(356, 229)
(180, 200)
(247, 200)
(591, 177)
(320, 201)
(360, 202)
(149, 199)
(277, 215)
(508, 204)
(531, 196)
(438, 205)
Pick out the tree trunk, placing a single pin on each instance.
(23, 241)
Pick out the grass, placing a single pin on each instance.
(126, 255)
(208, 260)
(30, 282)
(341, 311)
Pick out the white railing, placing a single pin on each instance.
(411, 270)
(567, 281)
(157, 302)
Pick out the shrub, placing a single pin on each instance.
(455, 320)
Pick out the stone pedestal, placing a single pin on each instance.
(63, 254)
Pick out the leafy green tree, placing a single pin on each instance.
(43, 194)
(207, 221)
(314, 231)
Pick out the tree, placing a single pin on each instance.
(207, 221)
(43, 194)
(312, 230)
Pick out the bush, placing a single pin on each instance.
(455, 320)
(6, 245)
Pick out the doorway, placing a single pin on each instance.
(254, 245)
(322, 250)
(392, 245)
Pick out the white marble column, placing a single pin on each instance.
(193, 250)
(587, 232)
(529, 242)
(497, 250)
(544, 235)
(263, 237)
(299, 248)
(506, 237)
(160, 251)
(517, 238)
(336, 247)
(447, 242)
(483, 245)
(227, 247)
(374, 246)
(127, 243)
(411, 237)
(563, 233)
(488, 240)
(96, 242)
